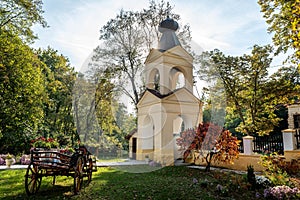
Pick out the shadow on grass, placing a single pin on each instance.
(12, 186)
(117, 183)
(164, 183)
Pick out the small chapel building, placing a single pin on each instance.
(168, 104)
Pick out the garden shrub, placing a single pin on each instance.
(274, 171)
(292, 168)
(251, 176)
(256, 181)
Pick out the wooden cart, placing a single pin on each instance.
(54, 163)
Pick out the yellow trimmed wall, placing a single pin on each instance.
(141, 154)
(240, 163)
(289, 155)
(243, 161)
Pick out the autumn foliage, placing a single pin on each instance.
(211, 142)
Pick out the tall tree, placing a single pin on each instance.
(59, 81)
(18, 17)
(93, 96)
(100, 119)
(283, 17)
(126, 41)
(22, 93)
(225, 69)
(104, 103)
(251, 95)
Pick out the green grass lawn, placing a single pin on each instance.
(120, 183)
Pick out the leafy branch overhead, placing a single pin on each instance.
(19, 16)
(283, 17)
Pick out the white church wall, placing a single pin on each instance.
(177, 126)
(147, 129)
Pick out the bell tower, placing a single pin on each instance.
(168, 104)
(163, 67)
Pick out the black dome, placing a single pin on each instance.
(169, 24)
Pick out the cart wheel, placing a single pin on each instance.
(32, 179)
(78, 175)
(90, 170)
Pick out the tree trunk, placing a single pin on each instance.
(208, 159)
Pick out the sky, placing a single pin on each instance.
(232, 26)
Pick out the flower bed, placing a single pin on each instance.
(282, 192)
(42, 142)
(25, 160)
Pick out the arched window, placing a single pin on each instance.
(177, 78)
(180, 80)
(182, 128)
(154, 80)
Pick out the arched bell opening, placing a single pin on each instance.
(154, 80)
(177, 78)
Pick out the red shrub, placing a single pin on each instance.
(211, 141)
